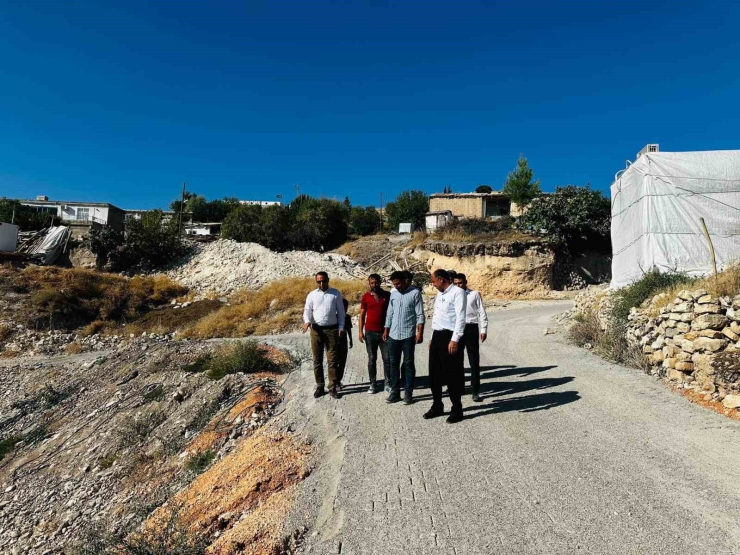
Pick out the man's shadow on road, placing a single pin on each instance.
(490, 390)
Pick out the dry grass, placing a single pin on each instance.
(417, 239)
(275, 308)
(459, 236)
(69, 298)
(73, 348)
(724, 284)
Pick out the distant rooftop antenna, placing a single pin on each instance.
(648, 150)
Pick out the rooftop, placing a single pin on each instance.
(69, 202)
(464, 195)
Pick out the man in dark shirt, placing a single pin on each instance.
(373, 309)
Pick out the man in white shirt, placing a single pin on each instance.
(476, 329)
(324, 314)
(445, 354)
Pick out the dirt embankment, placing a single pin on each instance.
(92, 444)
(500, 270)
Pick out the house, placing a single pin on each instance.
(261, 202)
(471, 205)
(79, 215)
(660, 205)
(167, 215)
(436, 220)
(204, 229)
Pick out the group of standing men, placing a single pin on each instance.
(392, 322)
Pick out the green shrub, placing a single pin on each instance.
(200, 461)
(244, 356)
(136, 430)
(572, 218)
(8, 444)
(408, 207)
(636, 293)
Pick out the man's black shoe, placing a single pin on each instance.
(408, 399)
(394, 397)
(433, 413)
(334, 394)
(454, 417)
(318, 392)
(477, 398)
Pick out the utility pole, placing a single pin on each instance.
(297, 190)
(381, 212)
(12, 217)
(182, 207)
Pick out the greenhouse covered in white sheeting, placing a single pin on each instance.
(657, 203)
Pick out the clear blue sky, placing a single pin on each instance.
(122, 102)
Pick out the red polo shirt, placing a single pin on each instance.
(375, 310)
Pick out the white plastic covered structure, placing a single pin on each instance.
(657, 203)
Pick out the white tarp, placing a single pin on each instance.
(656, 206)
(8, 237)
(53, 244)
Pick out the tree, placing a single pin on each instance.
(486, 189)
(152, 241)
(276, 228)
(409, 207)
(203, 210)
(26, 218)
(244, 224)
(321, 225)
(519, 185)
(364, 221)
(573, 218)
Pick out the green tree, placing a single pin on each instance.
(321, 225)
(276, 228)
(573, 218)
(519, 185)
(244, 224)
(25, 217)
(150, 242)
(486, 189)
(364, 221)
(409, 207)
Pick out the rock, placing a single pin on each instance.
(706, 299)
(686, 345)
(709, 321)
(711, 334)
(706, 344)
(685, 366)
(731, 401)
(683, 307)
(735, 327)
(685, 295)
(678, 376)
(548, 331)
(731, 335)
(669, 363)
(708, 309)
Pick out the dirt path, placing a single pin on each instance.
(567, 454)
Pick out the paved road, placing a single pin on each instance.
(567, 454)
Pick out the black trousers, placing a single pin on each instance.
(471, 342)
(446, 368)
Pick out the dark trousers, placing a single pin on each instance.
(325, 340)
(373, 342)
(446, 368)
(343, 353)
(396, 347)
(471, 343)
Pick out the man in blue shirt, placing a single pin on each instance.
(404, 329)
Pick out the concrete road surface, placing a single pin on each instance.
(567, 454)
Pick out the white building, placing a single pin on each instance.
(261, 202)
(658, 204)
(102, 213)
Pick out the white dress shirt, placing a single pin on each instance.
(476, 313)
(324, 308)
(450, 307)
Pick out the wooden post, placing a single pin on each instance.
(711, 246)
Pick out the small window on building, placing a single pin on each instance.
(83, 214)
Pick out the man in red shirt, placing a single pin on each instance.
(373, 309)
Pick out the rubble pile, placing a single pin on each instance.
(683, 339)
(30, 343)
(225, 266)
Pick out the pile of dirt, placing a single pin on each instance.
(224, 266)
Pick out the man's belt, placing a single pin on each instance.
(332, 327)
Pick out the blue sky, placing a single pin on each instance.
(122, 102)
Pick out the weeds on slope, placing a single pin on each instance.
(275, 308)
